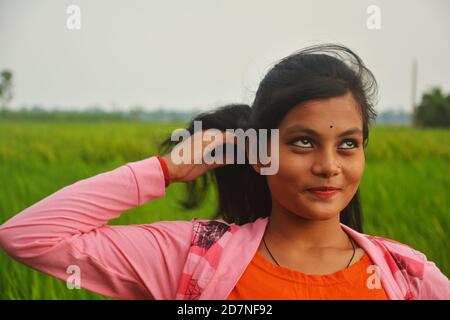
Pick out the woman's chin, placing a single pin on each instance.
(322, 216)
(320, 211)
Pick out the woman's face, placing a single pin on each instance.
(315, 152)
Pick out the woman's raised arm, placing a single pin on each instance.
(67, 231)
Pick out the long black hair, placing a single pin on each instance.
(316, 72)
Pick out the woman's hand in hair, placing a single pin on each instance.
(200, 144)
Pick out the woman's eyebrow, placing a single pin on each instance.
(298, 128)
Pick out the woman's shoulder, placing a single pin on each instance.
(222, 225)
(397, 255)
(400, 256)
(397, 247)
(387, 245)
(197, 227)
(424, 277)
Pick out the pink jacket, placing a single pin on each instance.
(197, 259)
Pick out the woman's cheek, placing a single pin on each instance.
(291, 173)
(354, 170)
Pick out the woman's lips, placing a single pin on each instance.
(322, 193)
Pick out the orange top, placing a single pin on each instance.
(264, 280)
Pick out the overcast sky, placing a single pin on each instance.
(204, 53)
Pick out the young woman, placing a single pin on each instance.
(296, 234)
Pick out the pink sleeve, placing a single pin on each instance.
(68, 228)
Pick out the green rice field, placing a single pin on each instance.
(404, 191)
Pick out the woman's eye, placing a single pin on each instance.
(304, 142)
(349, 144)
(301, 142)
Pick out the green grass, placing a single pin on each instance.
(404, 190)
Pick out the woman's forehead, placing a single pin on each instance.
(334, 113)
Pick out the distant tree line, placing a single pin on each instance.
(433, 111)
(95, 114)
(394, 117)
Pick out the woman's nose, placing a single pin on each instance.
(327, 165)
